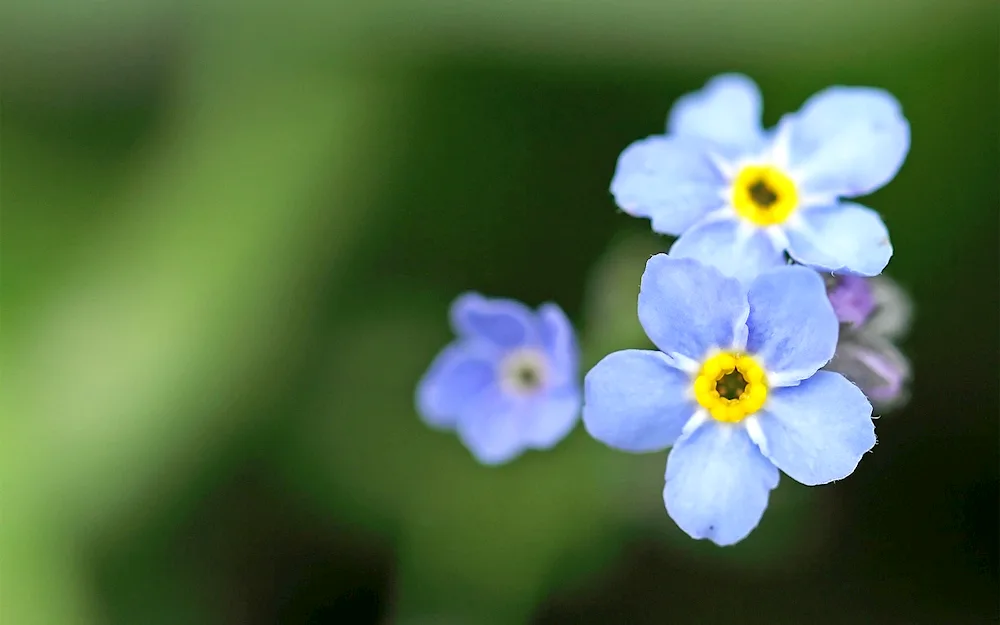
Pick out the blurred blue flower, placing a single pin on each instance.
(739, 196)
(735, 389)
(508, 383)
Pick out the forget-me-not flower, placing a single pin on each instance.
(735, 388)
(740, 196)
(509, 382)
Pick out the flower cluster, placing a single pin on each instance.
(774, 331)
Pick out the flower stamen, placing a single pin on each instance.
(730, 386)
(764, 195)
(523, 372)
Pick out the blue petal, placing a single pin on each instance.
(718, 483)
(726, 111)
(559, 342)
(492, 428)
(845, 238)
(848, 141)
(730, 248)
(670, 181)
(503, 322)
(689, 309)
(635, 400)
(792, 327)
(552, 417)
(816, 432)
(458, 375)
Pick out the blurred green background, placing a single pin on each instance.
(230, 235)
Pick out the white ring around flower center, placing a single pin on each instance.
(523, 371)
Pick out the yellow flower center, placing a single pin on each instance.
(730, 386)
(764, 195)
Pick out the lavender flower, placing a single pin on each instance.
(874, 313)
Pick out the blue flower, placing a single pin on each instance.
(508, 383)
(739, 196)
(735, 389)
